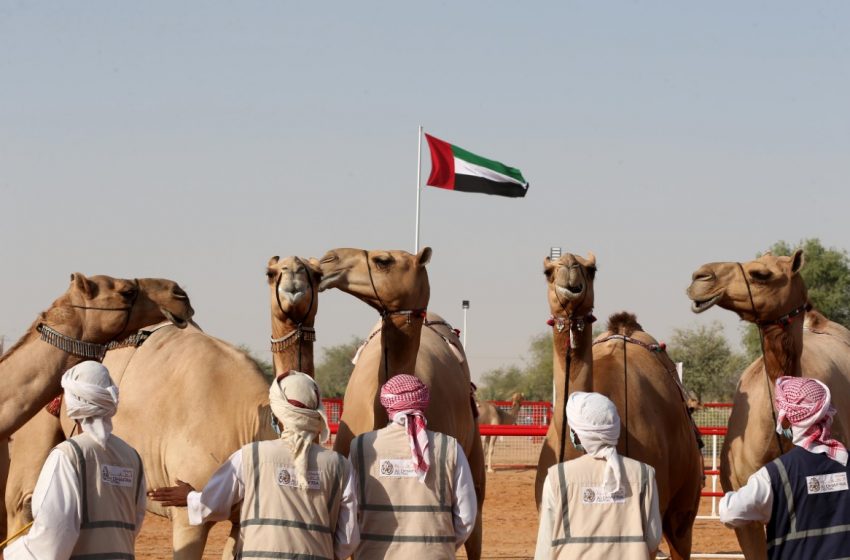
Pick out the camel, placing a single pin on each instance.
(91, 313)
(190, 366)
(396, 284)
(770, 292)
(488, 413)
(631, 368)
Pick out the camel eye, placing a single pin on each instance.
(128, 293)
(760, 275)
(591, 272)
(270, 274)
(382, 262)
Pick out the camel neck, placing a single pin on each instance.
(31, 373)
(581, 367)
(783, 347)
(297, 351)
(400, 335)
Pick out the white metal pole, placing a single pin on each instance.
(465, 309)
(714, 477)
(418, 186)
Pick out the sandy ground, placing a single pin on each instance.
(510, 524)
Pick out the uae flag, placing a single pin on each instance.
(456, 169)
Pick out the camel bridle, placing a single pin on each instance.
(386, 314)
(82, 348)
(783, 322)
(573, 324)
(301, 332)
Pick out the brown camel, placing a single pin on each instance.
(190, 366)
(396, 284)
(770, 292)
(628, 366)
(91, 313)
(488, 413)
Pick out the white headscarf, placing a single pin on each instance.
(91, 398)
(295, 401)
(594, 419)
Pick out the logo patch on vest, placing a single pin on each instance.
(824, 483)
(398, 468)
(117, 476)
(598, 495)
(286, 477)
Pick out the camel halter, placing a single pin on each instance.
(301, 333)
(782, 321)
(578, 324)
(82, 348)
(386, 313)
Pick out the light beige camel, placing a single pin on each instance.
(228, 392)
(632, 369)
(570, 294)
(396, 284)
(488, 413)
(770, 292)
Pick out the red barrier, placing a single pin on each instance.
(539, 413)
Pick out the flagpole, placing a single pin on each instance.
(418, 188)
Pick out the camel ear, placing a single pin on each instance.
(273, 261)
(424, 256)
(83, 285)
(591, 259)
(315, 268)
(797, 261)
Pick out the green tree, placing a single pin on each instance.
(533, 379)
(335, 367)
(710, 367)
(827, 276)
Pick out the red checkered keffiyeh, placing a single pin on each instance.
(406, 398)
(805, 403)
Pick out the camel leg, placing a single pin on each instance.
(342, 441)
(229, 552)
(188, 541)
(473, 544)
(678, 529)
(546, 460)
(489, 443)
(752, 540)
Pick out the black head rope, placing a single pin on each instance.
(579, 325)
(301, 332)
(386, 314)
(783, 321)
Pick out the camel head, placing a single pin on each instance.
(112, 308)
(293, 287)
(570, 284)
(776, 285)
(516, 398)
(386, 280)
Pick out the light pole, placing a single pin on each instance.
(465, 305)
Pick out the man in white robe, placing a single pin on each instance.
(290, 507)
(66, 520)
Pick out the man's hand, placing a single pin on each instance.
(172, 495)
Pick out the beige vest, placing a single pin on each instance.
(110, 482)
(594, 524)
(401, 517)
(280, 520)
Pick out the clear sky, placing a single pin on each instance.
(193, 140)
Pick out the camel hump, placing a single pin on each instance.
(816, 320)
(624, 323)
